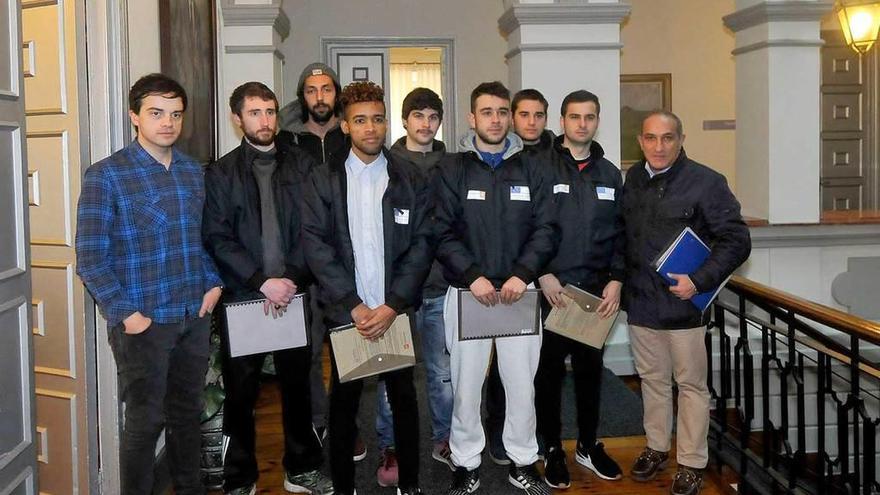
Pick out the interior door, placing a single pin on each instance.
(18, 453)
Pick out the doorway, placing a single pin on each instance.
(399, 65)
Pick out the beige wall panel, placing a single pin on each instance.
(43, 34)
(53, 298)
(57, 446)
(688, 39)
(51, 208)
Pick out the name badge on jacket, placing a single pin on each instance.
(401, 216)
(560, 188)
(478, 195)
(520, 193)
(605, 193)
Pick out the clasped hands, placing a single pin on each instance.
(372, 323)
(279, 292)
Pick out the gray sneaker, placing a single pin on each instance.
(244, 490)
(311, 482)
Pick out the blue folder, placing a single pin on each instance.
(684, 256)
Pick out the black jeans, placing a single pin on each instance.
(241, 380)
(161, 379)
(344, 401)
(586, 363)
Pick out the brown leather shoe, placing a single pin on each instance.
(647, 465)
(687, 481)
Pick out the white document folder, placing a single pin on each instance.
(357, 357)
(252, 331)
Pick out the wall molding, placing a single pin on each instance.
(790, 43)
(256, 15)
(790, 11)
(231, 49)
(562, 13)
(554, 47)
(776, 236)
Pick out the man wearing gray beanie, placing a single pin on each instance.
(313, 118)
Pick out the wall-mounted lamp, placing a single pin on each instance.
(860, 20)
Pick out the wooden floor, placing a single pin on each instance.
(624, 449)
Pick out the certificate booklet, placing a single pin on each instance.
(685, 255)
(476, 321)
(578, 320)
(252, 331)
(357, 357)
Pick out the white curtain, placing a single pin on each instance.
(405, 78)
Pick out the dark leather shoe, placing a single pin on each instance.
(687, 481)
(648, 464)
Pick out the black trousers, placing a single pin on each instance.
(241, 379)
(344, 401)
(161, 379)
(586, 363)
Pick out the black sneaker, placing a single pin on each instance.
(687, 481)
(414, 490)
(597, 461)
(526, 478)
(555, 470)
(464, 481)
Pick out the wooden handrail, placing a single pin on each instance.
(845, 322)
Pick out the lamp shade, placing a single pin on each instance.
(860, 21)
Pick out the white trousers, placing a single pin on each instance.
(517, 363)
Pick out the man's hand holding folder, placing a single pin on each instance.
(556, 295)
(372, 323)
(684, 288)
(511, 292)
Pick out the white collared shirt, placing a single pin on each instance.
(652, 173)
(366, 186)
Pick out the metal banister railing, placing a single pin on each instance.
(812, 360)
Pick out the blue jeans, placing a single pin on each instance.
(429, 324)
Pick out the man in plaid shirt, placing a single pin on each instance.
(140, 254)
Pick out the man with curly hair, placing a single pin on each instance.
(366, 238)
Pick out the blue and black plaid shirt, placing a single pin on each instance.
(138, 238)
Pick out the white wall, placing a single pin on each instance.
(479, 48)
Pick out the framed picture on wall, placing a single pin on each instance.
(639, 95)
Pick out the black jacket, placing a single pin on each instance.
(428, 163)
(328, 242)
(545, 142)
(481, 230)
(232, 222)
(655, 211)
(589, 207)
(335, 142)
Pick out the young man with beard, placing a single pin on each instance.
(588, 196)
(529, 109)
(139, 253)
(252, 228)
(312, 122)
(313, 118)
(422, 117)
(367, 242)
(496, 231)
(663, 194)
